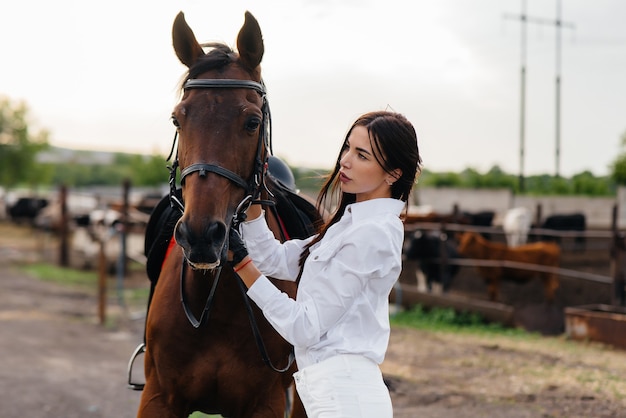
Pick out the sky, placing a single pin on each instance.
(102, 75)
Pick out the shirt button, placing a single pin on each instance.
(350, 210)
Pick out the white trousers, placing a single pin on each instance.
(344, 386)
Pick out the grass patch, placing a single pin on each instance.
(85, 281)
(449, 320)
(62, 275)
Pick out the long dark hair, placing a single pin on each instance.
(394, 144)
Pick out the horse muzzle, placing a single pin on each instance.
(206, 249)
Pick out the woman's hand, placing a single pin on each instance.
(241, 262)
(253, 212)
(237, 247)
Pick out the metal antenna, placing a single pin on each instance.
(559, 24)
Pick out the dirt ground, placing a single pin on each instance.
(57, 361)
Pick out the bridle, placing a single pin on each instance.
(252, 188)
(253, 185)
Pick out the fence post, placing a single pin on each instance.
(618, 267)
(121, 261)
(102, 282)
(63, 229)
(443, 255)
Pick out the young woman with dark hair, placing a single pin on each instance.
(339, 321)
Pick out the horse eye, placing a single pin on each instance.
(253, 124)
(175, 122)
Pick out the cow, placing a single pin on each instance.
(516, 224)
(565, 222)
(482, 218)
(546, 254)
(426, 248)
(27, 209)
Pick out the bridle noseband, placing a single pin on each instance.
(251, 186)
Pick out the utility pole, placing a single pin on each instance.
(559, 24)
(522, 125)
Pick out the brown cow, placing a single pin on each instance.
(472, 245)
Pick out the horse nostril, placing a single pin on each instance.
(181, 234)
(216, 234)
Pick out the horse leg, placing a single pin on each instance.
(491, 279)
(550, 284)
(153, 402)
(154, 405)
(493, 285)
(273, 406)
(492, 291)
(297, 410)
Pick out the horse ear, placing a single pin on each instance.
(187, 48)
(250, 42)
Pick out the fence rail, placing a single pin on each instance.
(616, 249)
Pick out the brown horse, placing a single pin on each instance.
(203, 355)
(545, 255)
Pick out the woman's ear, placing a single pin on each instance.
(394, 176)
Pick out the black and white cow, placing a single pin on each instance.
(427, 248)
(26, 208)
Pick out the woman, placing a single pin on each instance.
(339, 321)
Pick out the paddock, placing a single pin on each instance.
(586, 278)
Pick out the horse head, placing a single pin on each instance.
(223, 142)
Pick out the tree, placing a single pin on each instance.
(18, 146)
(618, 168)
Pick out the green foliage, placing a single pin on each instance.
(584, 183)
(447, 319)
(618, 168)
(62, 275)
(19, 146)
(447, 179)
(80, 171)
(309, 179)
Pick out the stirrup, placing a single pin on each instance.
(141, 348)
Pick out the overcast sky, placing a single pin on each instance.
(102, 74)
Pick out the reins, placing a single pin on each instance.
(252, 188)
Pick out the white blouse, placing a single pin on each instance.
(342, 303)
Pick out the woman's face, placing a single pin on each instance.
(360, 173)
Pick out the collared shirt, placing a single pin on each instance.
(342, 303)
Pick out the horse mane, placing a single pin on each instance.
(298, 216)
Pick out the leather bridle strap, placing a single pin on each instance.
(257, 334)
(199, 83)
(203, 168)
